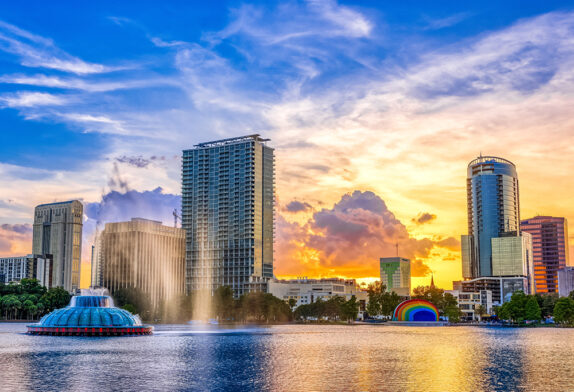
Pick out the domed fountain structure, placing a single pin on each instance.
(90, 315)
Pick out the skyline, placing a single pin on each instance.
(365, 107)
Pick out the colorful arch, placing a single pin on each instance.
(415, 310)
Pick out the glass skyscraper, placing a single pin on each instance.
(550, 249)
(228, 191)
(493, 211)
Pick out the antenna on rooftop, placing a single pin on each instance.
(397, 245)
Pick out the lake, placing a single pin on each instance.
(293, 358)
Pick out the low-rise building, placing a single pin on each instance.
(502, 288)
(306, 291)
(469, 302)
(13, 269)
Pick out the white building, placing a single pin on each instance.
(468, 303)
(565, 281)
(13, 269)
(306, 291)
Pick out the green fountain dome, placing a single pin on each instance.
(91, 315)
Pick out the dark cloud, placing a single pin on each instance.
(449, 243)
(348, 239)
(117, 206)
(424, 217)
(419, 269)
(139, 161)
(297, 206)
(23, 228)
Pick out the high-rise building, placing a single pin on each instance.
(493, 211)
(58, 232)
(550, 250)
(396, 275)
(228, 204)
(145, 255)
(495, 246)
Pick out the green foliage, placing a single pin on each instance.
(334, 309)
(546, 302)
(446, 303)
(130, 308)
(261, 307)
(564, 311)
(55, 298)
(381, 302)
(532, 309)
(223, 303)
(138, 299)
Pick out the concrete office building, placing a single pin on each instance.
(494, 246)
(469, 303)
(145, 255)
(549, 248)
(228, 195)
(565, 281)
(58, 232)
(396, 275)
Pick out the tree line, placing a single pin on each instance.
(28, 300)
(522, 308)
(383, 302)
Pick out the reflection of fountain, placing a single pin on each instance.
(90, 315)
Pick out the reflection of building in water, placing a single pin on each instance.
(228, 196)
(468, 303)
(58, 232)
(306, 291)
(550, 250)
(396, 275)
(145, 255)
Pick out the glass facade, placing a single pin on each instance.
(228, 192)
(493, 211)
(550, 250)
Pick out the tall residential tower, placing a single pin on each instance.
(228, 196)
(58, 232)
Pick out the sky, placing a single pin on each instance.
(374, 110)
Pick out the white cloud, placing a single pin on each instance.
(32, 99)
(36, 51)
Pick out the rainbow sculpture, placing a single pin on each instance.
(415, 310)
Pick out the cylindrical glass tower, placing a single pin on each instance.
(493, 211)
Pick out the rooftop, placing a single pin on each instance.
(222, 142)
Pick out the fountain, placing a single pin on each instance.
(90, 315)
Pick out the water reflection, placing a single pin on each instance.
(293, 357)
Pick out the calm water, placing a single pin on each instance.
(293, 358)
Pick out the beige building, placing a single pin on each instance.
(143, 254)
(58, 232)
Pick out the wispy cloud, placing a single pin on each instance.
(26, 99)
(37, 51)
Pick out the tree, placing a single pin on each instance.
(546, 302)
(532, 309)
(375, 292)
(223, 303)
(55, 298)
(350, 309)
(130, 308)
(292, 303)
(480, 310)
(564, 311)
(135, 297)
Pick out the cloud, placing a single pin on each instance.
(450, 243)
(15, 239)
(449, 21)
(136, 161)
(424, 217)
(22, 228)
(37, 51)
(349, 238)
(25, 99)
(419, 269)
(298, 206)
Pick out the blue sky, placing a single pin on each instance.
(388, 97)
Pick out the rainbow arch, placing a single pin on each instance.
(415, 310)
